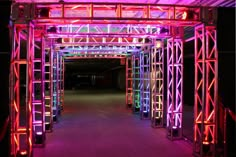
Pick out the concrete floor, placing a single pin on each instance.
(97, 124)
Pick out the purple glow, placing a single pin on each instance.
(39, 133)
(174, 127)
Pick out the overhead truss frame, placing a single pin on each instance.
(83, 33)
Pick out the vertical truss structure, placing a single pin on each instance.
(129, 92)
(21, 96)
(55, 86)
(157, 85)
(145, 82)
(174, 87)
(60, 82)
(62, 76)
(38, 95)
(206, 89)
(136, 82)
(48, 93)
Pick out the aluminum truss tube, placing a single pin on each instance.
(48, 93)
(206, 89)
(174, 87)
(60, 81)
(114, 13)
(145, 83)
(38, 96)
(15, 92)
(29, 85)
(55, 96)
(21, 119)
(136, 82)
(62, 76)
(157, 84)
(129, 89)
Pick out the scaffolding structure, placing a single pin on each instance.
(83, 30)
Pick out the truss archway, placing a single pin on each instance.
(137, 32)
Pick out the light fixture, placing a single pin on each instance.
(189, 15)
(175, 131)
(52, 29)
(44, 12)
(47, 126)
(158, 121)
(39, 138)
(206, 147)
(22, 153)
(164, 30)
(145, 114)
(158, 44)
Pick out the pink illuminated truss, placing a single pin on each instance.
(21, 98)
(174, 87)
(105, 13)
(206, 90)
(72, 31)
(221, 3)
(129, 89)
(61, 84)
(55, 86)
(157, 85)
(38, 96)
(48, 93)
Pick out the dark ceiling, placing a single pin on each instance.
(92, 66)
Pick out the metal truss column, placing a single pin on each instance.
(38, 96)
(54, 86)
(61, 79)
(145, 82)
(48, 93)
(206, 92)
(129, 92)
(20, 96)
(136, 82)
(174, 88)
(157, 84)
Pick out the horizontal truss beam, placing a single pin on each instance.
(74, 13)
(107, 30)
(95, 56)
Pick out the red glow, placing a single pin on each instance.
(24, 152)
(206, 142)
